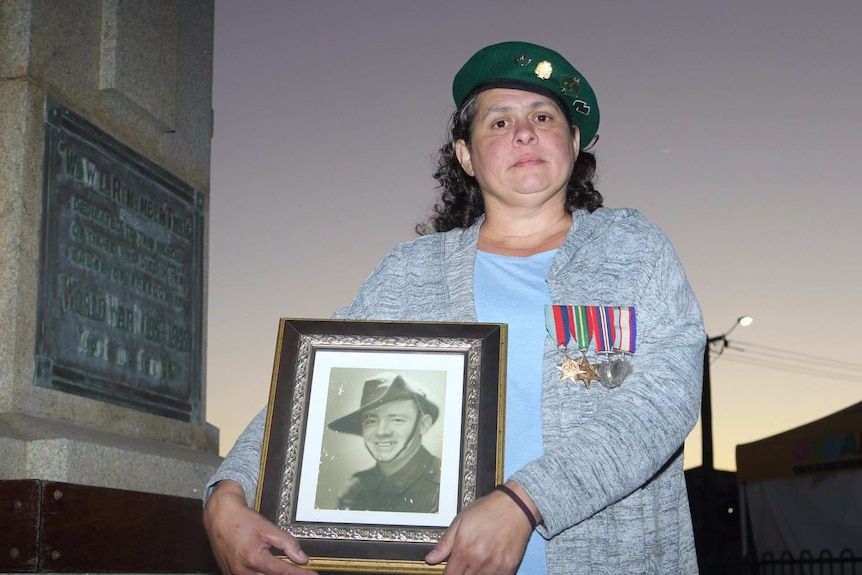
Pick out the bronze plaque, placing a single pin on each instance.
(121, 278)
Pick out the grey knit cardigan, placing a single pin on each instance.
(610, 485)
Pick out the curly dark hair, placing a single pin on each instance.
(461, 201)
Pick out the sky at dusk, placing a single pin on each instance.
(734, 125)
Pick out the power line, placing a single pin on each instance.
(796, 370)
(790, 361)
(766, 350)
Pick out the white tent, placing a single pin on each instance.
(801, 490)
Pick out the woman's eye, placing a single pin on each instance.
(500, 124)
(543, 118)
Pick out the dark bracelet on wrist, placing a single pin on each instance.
(519, 502)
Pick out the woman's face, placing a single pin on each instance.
(522, 149)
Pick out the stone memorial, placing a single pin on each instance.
(105, 131)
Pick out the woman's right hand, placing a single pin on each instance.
(241, 538)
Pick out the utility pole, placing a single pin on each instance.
(708, 465)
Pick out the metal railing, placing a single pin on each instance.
(824, 563)
(846, 563)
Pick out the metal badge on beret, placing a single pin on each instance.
(581, 107)
(522, 60)
(570, 85)
(544, 69)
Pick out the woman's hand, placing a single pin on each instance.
(241, 538)
(487, 538)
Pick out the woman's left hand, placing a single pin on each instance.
(487, 538)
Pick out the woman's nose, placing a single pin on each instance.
(525, 133)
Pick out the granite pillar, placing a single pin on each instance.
(139, 75)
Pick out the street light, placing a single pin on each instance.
(706, 398)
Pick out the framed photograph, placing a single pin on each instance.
(377, 434)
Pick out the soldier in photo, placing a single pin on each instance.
(392, 417)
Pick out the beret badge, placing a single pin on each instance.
(544, 69)
(570, 86)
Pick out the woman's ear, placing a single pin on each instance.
(576, 140)
(462, 152)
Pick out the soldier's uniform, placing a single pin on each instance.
(413, 488)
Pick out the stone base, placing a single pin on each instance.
(37, 448)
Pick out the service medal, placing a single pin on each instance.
(570, 369)
(613, 329)
(558, 323)
(583, 334)
(587, 371)
(566, 322)
(625, 332)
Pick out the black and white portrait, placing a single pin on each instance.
(386, 429)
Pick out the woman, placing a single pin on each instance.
(595, 481)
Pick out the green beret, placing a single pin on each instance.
(525, 66)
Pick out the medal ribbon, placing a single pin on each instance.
(626, 329)
(612, 328)
(558, 322)
(582, 327)
(601, 321)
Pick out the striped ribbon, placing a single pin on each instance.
(626, 329)
(612, 328)
(583, 332)
(558, 322)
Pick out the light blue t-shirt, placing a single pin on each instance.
(512, 290)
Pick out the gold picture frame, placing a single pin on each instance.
(323, 370)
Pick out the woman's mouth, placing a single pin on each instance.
(529, 160)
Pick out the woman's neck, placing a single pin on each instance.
(523, 236)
